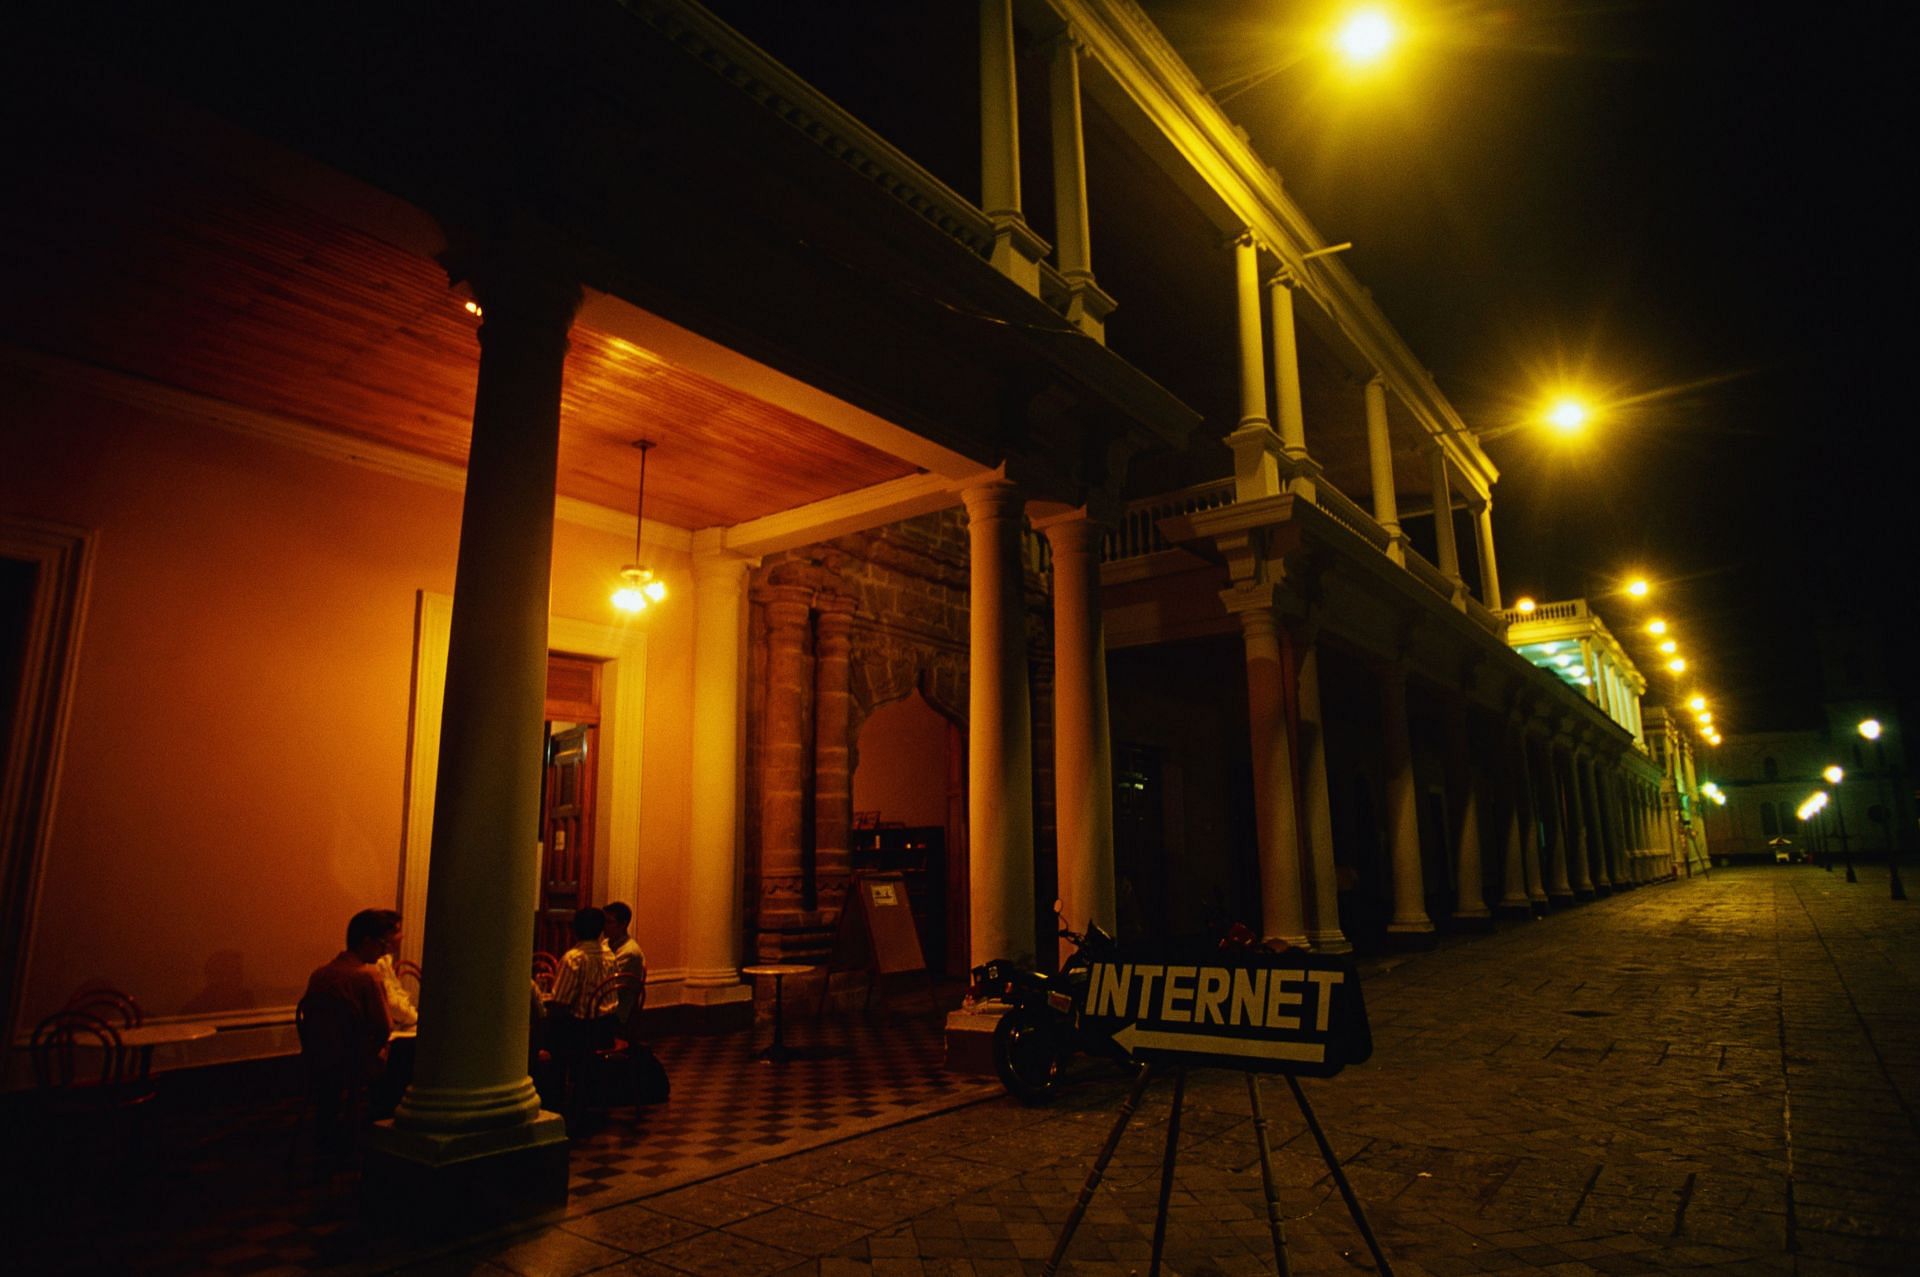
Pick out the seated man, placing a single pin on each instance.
(343, 1016)
(400, 1009)
(582, 968)
(627, 958)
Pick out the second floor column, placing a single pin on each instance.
(1409, 915)
(1016, 249)
(1087, 306)
(713, 834)
(1386, 503)
(1489, 566)
(470, 1094)
(1289, 414)
(1443, 533)
(999, 730)
(1082, 738)
(1275, 811)
(1256, 449)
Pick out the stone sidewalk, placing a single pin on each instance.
(1712, 1075)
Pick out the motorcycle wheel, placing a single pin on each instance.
(1026, 1054)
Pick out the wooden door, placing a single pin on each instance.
(566, 833)
(566, 799)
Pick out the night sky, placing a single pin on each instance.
(1687, 206)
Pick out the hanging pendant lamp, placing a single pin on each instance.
(639, 587)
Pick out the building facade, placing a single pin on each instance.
(324, 357)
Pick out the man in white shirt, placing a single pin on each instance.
(582, 968)
(627, 958)
(400, 1008)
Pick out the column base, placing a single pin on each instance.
(713, 995)
(1556, 900)
(1474, 920)
(1521, 909)
(1329, 941)
(1411, 936)
(1583, 894)
(443, 1185)
(1602, 888)
(970, 1038)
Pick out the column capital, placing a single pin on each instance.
(997, 497)
(514, 284)
(1067, 39)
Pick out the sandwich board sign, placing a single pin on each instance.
(1291, 1012)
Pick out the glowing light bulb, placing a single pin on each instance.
(1870, 729)
(1696, 703)
(1656, 627)
(1678, 665)
(1365, 36)
(1669, 647)
(1639, 588)
(1834, 774)
(1568, 416)
(1524, 606)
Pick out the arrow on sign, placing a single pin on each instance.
(1134, 1036)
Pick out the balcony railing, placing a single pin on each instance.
(1349, 514)
(1566, 610)
(1430, 576)
(1139, 532)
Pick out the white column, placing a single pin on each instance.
(1469, 898)
(1082, 740)
(1276, 823)
(1602, 827)
(999, 730)
(1016, 249)
(1403, 815)
(1323, 890)
(470, 1072)
(1558, 885)
(1087, 306)
(1386, 504)
(1443, 537)
(1580, 834)
(1256, 470)
(713, 835)
(1489, 567)
(1513, 871)
(1286, 368)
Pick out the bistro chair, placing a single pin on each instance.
(84, 1091)
(546, 969)
(108, 1004)
(620, 1063)
(406, 969)
(333, 1077)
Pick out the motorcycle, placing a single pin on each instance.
(1041, 1030)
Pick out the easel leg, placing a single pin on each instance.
(1274, 1224)
(1166, 1171)
(1087, 1190)
(1339, 1177)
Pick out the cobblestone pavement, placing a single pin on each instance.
(1712, 1075)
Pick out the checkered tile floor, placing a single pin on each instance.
(217, 1191)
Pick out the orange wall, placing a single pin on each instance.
(902, 772)
(232, 785)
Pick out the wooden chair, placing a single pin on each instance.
(108, 1004)
(546, 969)
(407, 969)
(91, 1106)
(619, 1059)
(334, 1075)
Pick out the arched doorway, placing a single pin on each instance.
(909, 815)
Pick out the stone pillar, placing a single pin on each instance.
(1087, 306)
(1288, 412)
(1403, 817)
(1082, 739)
(1598, 835)
(832, 753)
(470, 1122)
(1579, 827)
(1489, 566)
(1513, 873)
(786, 770)
(1282, 913)
(1386, 503)
(999, 730)
(713, 835)
(1538, 787)
(1469, 899)
(1016, 249)
(1316, 803)
(1559, 885)
(1256, 449)
(1448, 547)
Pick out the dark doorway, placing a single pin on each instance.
(567, 799)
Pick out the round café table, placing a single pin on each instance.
(777, 1052)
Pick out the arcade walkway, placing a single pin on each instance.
(1712, 1075)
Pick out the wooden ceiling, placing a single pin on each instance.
(144, 264)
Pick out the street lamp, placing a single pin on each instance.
(1366, 36)
(1870, 728)
(1834, 776)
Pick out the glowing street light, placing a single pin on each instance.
(1639, 588)
(1678, 665)
(1366, 36)
(1696, 703)
(1524, 605)
(1669, 647)
(1870, 728)
(1568, 415)
(1656, 627)
(1833, 773)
